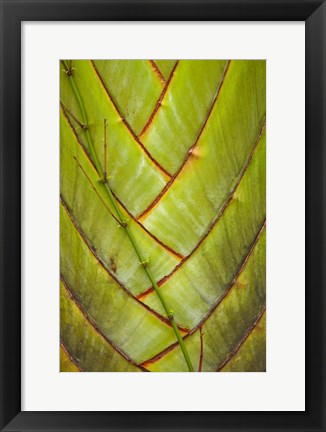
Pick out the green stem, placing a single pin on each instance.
(123, 223)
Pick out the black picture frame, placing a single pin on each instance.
(13, 12)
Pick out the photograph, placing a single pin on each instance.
(162, 215)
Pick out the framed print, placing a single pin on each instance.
(162, 215)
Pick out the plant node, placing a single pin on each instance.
(69, 71)
(123, 223)
(145, 262)
(104, 180)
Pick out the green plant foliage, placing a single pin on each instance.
(183, 146)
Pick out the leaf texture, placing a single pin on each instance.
(135, 87)
(185, 152)
(165, 67)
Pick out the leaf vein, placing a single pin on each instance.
(157, 71)
(216, 304)
(108, 271)
(215, 220)
(83, 148)
(132, 133)
(189, 152)
(95, 326)
(159, 101)
(71, 357)
(244, 338)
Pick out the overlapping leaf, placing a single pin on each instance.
(186, 145)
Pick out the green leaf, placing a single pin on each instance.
(165, 67)
(210, 269)
(98, 227)
(124, 154)
(67, 364)
(250, 356)
(183, 110)
(229, 321)
(210, 173)
(163, 265)
(134, 86)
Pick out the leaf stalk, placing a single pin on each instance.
(119, 216)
